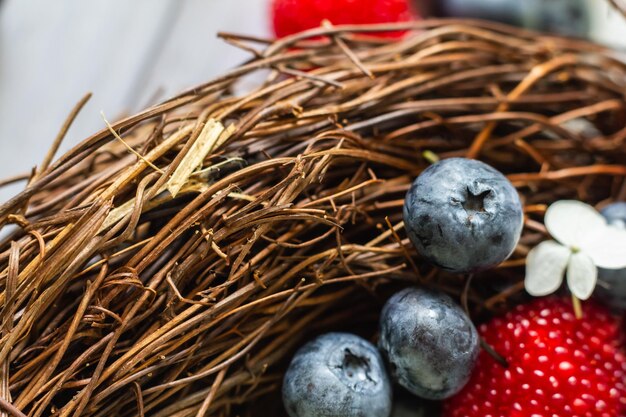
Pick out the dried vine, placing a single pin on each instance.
(175, 280)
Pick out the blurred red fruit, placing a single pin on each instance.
(292, 16)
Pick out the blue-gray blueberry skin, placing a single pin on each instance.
(430, 344)
(565, 17)
(337, 375)
(611, 286)
(615, 214)
(463, 215)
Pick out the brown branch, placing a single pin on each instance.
(118, 298)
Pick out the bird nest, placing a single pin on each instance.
(170, 264)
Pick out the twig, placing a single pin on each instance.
(61, 135)
(193, 304)
(10, 408)
(207, 401)
(617, 5)
(127, 146)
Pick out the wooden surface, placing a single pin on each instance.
(124, 51)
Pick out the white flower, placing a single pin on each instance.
(583, 242)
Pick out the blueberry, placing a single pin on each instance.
(565, 17)
(615, 214)
(429, 342)
(463, 215)
(337, 375)
(506, 11)
(579, 126)
(611, 287)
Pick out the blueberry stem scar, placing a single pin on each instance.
(353, 364)
(475, 203)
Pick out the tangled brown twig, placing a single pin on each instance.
(177, 282)
(619, 6)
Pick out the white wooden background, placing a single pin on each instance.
(54, 51)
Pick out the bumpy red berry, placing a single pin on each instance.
(559, 366)
(291, 16)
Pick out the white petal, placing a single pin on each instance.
(581, 275)
(545, 265)
(571, 222)
(607, 247)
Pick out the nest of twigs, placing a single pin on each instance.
(170, 265)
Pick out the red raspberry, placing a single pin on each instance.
(292, 16)
(558, 366)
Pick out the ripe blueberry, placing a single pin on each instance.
(611, 287)
(615, 214)
(429, 342)
(337, 375)
(463, 215)
(565, 17)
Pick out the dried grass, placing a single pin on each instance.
(178, 283)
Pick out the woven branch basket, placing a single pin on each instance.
(170, 264)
